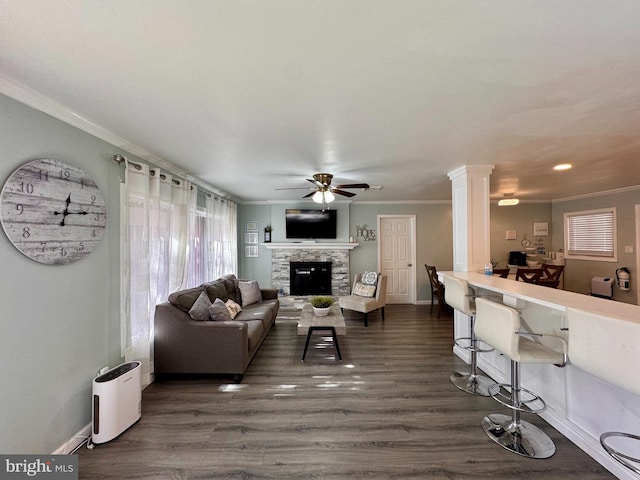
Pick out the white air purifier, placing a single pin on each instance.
(117, 401)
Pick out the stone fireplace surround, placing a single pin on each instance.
(282, 254)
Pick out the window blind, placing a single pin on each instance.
(591, 233)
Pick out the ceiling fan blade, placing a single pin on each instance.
(315, 182)
(295, 188)
(311, 194)
(354, 185)
(343, 192)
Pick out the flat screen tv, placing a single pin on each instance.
(311, 224)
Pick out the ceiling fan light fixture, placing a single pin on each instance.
(318, 197)
(323, 196)
(508, 200)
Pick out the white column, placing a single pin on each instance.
(471, 218)
(471, 241)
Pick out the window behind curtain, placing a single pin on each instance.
(591, 235)
(197, 273)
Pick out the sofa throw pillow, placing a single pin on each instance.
(218, 311)
(369, 278)
(200, 309)
(250, 292)
(230, 283)
(233, 308)
(363, 290)
(184, 299)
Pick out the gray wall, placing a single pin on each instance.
(433, 232)
(578, 273)
(59, 324)
(519, 218)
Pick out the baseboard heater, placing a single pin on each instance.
(117, 401)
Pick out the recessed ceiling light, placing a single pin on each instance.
(563, 166)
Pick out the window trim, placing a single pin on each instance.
(595, 258)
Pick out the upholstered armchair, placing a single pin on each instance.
(366, 296)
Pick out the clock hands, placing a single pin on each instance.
(66, 211)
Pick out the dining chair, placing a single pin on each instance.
(550, 275)
(501, 272)
(529, 275)
(437, 288)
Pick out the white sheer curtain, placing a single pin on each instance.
(221, 238)
(156, 228)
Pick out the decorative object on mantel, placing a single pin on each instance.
(267, 234)
(367, 234)
(321, 305)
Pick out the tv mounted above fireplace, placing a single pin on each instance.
(311, 224)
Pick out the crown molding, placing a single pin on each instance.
(26, 95)
(597, 194)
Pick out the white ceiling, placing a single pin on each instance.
(255, 95)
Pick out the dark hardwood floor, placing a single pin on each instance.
(387, 410)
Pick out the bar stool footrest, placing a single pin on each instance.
(529, 402)
(466, 343)
(632, 463)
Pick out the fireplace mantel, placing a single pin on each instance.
(310, 246)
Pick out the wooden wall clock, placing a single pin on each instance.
(52, 211)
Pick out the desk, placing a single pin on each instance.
(579, 405)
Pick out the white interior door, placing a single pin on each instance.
(397, 257)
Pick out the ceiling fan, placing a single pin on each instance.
(324, 192)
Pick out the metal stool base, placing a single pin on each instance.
(632, 463)
(473, 384)
(524, 439)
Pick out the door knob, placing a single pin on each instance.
(409, 265)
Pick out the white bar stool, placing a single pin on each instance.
(607, 347)
(459, 296)
(499, 325)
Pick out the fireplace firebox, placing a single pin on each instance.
(310, 278)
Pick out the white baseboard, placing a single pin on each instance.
(74, 442)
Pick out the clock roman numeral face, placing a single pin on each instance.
(52, 211)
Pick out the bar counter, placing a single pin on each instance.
(579, 405)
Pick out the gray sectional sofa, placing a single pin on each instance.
(183, 344)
